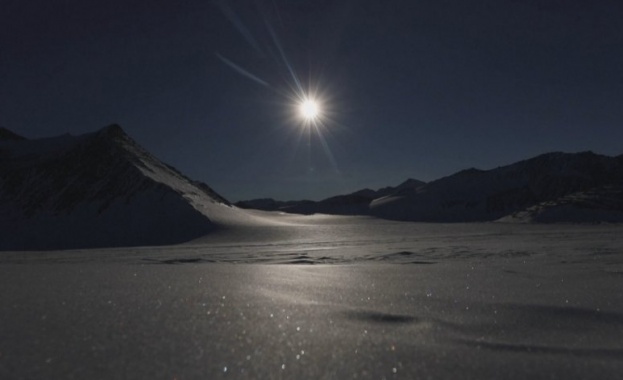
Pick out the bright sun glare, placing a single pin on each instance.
(309, 109)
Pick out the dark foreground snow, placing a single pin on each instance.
(441, 301)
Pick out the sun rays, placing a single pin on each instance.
(309, 108)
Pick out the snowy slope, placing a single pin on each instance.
(479, 195)
(599, 205)
(100, 189)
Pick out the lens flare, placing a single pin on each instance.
(309, 104)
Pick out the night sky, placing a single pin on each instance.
(409, 88)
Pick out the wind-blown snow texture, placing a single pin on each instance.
(404, 300)
(100, 189)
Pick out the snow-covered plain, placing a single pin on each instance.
(383, 300)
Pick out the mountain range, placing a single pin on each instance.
(103, 189)
(486, 195)
(553, 187)
(356, 203)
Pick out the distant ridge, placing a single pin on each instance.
(486, 195)
(356, 203)
(100, 189)
(6, 134)
(535, 190)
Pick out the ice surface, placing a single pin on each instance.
(400, 300)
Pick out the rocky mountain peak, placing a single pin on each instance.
(113, 132)
(100, 189)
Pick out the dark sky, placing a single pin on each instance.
(411, 88)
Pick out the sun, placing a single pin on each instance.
(309, 109)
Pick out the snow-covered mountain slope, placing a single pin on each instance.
(97, 190)
(478, 195)
(599, 205)
(410, 185)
